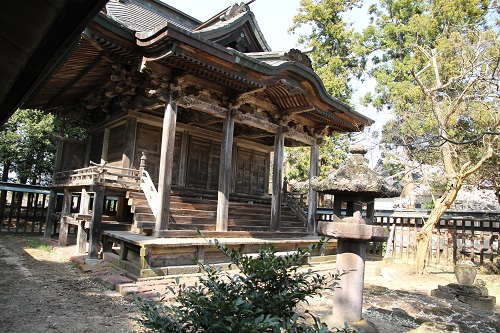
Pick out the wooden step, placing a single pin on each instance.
(180, 205)
(135, 195)
(192, 226)
(194, 213)
(118, 226)
(193, 200)
(149, 225)
(137, 201)
(232, 234)
(144, 217)
(141, 209)
(192, 220)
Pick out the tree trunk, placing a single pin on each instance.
(453, 185)
(425, 234)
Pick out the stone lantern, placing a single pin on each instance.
(356, 186)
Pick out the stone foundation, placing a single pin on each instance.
(475, 295)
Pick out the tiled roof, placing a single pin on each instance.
(139, 16)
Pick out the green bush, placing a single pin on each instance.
(261, 298)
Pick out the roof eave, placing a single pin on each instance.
(40, 64)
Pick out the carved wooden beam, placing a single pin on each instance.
(202, 106)
(297, 110)
(252, 100)
(253, 121)
(301, 137)
(265, 125)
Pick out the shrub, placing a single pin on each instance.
(260, 298)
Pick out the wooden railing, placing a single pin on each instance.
(99, 173)
(295, 201)
(149, 190)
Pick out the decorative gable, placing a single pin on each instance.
(235, 27)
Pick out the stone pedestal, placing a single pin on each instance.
(352, 235)
(348, 300)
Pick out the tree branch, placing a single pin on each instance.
(476, 139)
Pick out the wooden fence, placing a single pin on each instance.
(23, 208)
(458, 236)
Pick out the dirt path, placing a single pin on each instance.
(41, 293)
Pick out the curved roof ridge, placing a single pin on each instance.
(229, 20)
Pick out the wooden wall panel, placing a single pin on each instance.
(73, 155)
(116, 145)
(177, 158)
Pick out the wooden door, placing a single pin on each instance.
(251, 171)
(203, 163)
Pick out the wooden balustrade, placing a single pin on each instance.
(102, 174)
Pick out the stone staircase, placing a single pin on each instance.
(196, 212)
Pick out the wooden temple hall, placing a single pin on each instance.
(189, 124)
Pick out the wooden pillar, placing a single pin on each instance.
(268, 173)
(370, 212)
(337, 205)
(96, 222)
(225, 172)
(279, 149)
(51, 208)
(312, 205)
(63, 226)
(349, 208)
(129, 145)
(81, 236)
(105, 145)
(166, 165)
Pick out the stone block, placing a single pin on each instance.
(187, 269)
(441, 294)
(126, 288)
(462, 289)
(110, 281)
(484, 302)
